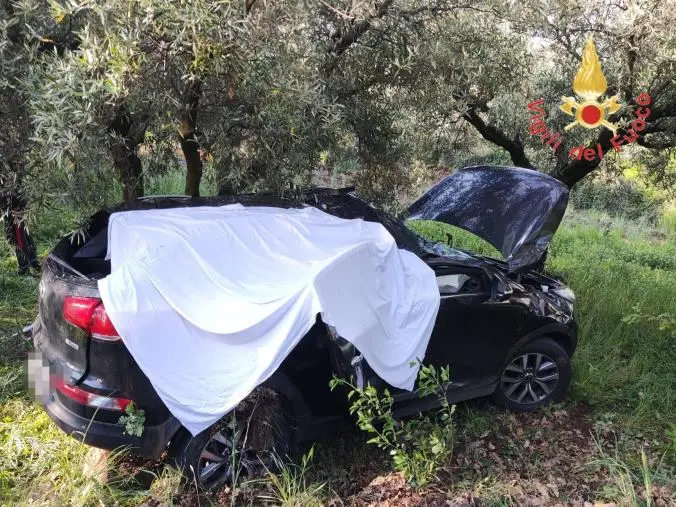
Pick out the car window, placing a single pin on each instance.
(442, 234)
(459, 283)
(451, 284)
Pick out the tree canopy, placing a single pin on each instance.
(263, 93)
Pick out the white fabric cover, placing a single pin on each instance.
(210, 300)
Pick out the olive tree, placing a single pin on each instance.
(637, 47)
(442, 71)
(268, 91)
(223, 80)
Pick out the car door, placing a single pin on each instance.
(473, 332)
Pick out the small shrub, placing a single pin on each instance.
(664, 322)
(632, 480)
(166, 486)
(617, 198)
(668, 221)
(418, 446)
(133, 420)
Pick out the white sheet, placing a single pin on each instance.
(210, 300)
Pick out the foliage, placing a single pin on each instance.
(668, 221)
(664, 322)
(289, 483)
(626, 479)
(165, 486)
(133, 419)
(617, 365)
(99, 96)
(418, 446)
(618, 197)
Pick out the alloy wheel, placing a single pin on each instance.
(216, 463)
(529, 378)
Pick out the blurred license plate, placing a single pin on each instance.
(39, 376)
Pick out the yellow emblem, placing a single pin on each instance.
(589, 85)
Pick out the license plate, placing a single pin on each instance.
(39, 376)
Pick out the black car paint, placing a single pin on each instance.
(467, 336)
(516, 210)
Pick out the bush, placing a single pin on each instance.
(668, 221)
(619, 197)
(418, 446)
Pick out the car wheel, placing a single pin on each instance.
(536, 375)
(257, 430)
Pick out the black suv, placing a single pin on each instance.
(504, 329)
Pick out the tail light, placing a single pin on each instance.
(82, 397)
(90, 315)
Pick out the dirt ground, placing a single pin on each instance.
(547, 458)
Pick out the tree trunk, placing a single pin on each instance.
(130, 172)
(575, 170)
(130, 133)
(194, 165)
(188, 139)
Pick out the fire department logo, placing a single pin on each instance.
(589, 85)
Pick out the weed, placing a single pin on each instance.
(668, 220)
(165, 485)
(625, 481)
(664, 322)
(418, 446)
(474, 421)
(289, 484)
(133, 419)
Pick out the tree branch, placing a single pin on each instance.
(491, 133)
(575, 170)
(658, 122)
(342, 40)
(655, 144)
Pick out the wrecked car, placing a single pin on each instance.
(506, 330)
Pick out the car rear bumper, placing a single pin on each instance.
(90, 430)
(104, 435)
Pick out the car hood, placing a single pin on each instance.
(516, 210)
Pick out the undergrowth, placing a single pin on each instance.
(622, 365)
(624, 276)
(419, 446)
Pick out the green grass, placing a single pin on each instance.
(615, 271)
(668, 221)
(629, 368)
(625, 370)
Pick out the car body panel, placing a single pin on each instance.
(516, 210)
(463, 331)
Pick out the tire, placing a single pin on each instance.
(539, 379)
(258, 428)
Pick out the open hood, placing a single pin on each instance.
(516, 210)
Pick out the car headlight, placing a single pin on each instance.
(566, 293)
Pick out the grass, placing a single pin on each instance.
(615, 272)
(289, 485)
(625, 369)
